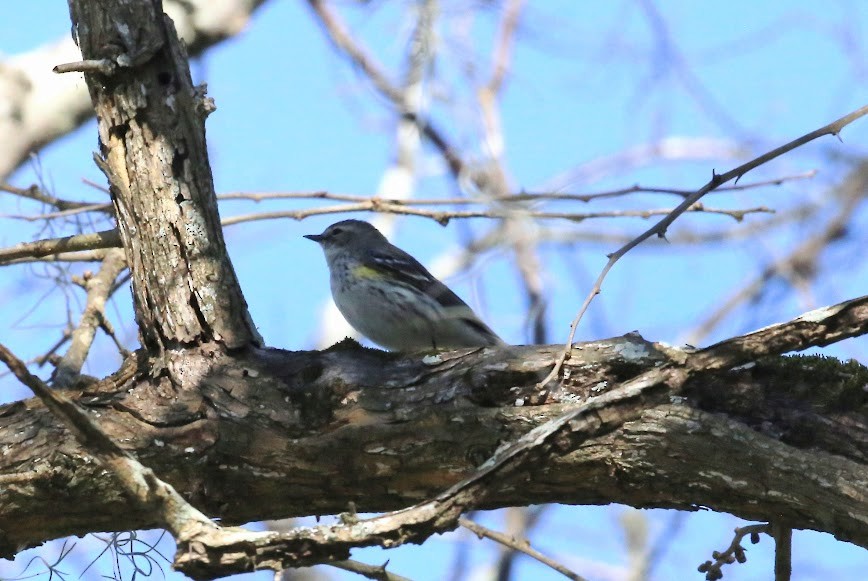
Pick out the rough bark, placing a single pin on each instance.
(274, 434)
(247, 433)
(152, 149)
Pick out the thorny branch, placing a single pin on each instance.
(522, 196)
(803, 262)
(444, 216)
(369, 571)
(660, 228)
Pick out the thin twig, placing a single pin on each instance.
(111, 239)
(659, 229)
(494, 183)
(48, 355)
(369, 571)
(800, 263)
(638, 189)
(337, 33)
(783, 536)
(102, 66)
(522, 546)
(734, 552)
(444, 216)
(523, 196)
(35, 193)
(77, 256)
(109, 330)
(520, 521)
(60, 213)
(502, 55)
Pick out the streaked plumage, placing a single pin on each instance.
(390, 298)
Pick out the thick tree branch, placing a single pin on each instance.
(136, 481)
(248, 433)
(361, 425)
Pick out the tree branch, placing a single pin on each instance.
(660, 228)
(40, 248)
(148, 112)
(98, 290)
(347, 424)
(521, 546)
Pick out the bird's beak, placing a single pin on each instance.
(315, 237)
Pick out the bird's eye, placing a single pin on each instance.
(336, 231)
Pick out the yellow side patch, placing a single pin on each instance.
(366, 272)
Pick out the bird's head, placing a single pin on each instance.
(347, 235)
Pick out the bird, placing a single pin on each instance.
(389, 297)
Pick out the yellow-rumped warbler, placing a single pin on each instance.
(390, 298)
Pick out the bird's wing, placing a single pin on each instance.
(399, 265)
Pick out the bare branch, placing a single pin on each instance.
(338, 34)
(441, 513)
(801, 263)
(98, 288)
(212, 551)
(522, 196)
(108, 329)
(522, 546)
(444, 216)
(36, 194)
(59, 213)
(42, 106)
(138, 481)
(734, 552)
(660, 228)
(783, 536)
(101, 66)
(77, 256)
(93, 240)
(503, 52)
(369, 571)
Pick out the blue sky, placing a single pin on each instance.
(590, 80)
